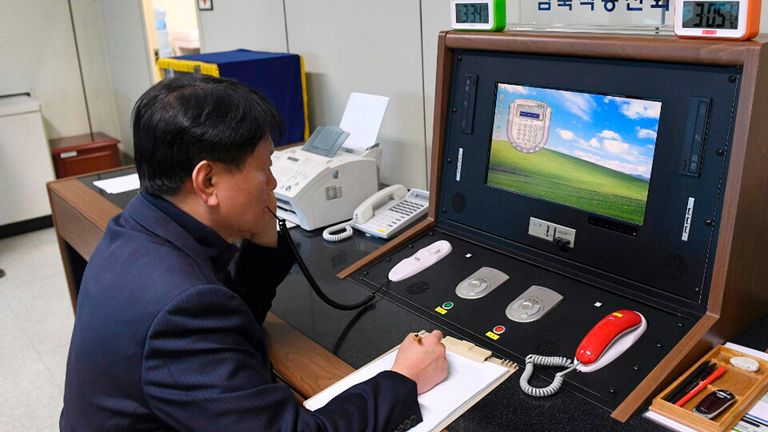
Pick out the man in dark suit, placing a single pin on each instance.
(168, 329)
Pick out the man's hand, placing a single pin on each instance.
(268, 234)
(422, 360)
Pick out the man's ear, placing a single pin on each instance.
(202, 183)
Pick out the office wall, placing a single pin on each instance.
(436, 18)
(38, 55)
(764, 17)
(232, 24)
(373, 47)
(127, 55)
(96, 75)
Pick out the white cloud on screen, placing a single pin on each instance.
(566, 134)
(515, 89)
(643, 169)
(646, 133)
(579, 104)
(609, 134)
(635, 108)
(615, 147)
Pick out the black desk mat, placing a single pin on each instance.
(122, 199)
(357, 337)
(557, 333)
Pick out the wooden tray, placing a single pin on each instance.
(748, 387)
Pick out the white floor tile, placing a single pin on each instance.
(36, 322)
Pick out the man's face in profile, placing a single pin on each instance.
(245, 194)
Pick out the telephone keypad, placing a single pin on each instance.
(388, 220)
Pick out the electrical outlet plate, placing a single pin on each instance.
(563, 236)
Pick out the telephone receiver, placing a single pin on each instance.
(383, 214)
(364, 211)
(609, 338)
(605, 342)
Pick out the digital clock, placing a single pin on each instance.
(489, 15)
(717, 19)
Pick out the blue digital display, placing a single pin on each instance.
(530, 115)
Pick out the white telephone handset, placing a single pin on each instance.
(364, 211)
(384, 213)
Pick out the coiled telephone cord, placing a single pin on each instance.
(538, 360)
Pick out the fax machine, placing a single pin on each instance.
(315, 190)
(322, 182)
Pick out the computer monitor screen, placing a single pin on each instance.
(583, 150)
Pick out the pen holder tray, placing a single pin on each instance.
(747, 386)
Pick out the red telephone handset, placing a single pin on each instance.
(607, 340)
(605, 332)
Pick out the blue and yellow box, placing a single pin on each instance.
(278, 76)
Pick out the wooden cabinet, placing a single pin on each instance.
(82, 154)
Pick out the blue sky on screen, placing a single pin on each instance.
(615, 132)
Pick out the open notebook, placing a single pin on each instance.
(472, 373)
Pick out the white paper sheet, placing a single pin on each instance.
(362, 119)
(466, 378)
(118, 184)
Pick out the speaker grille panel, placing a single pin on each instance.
(675, 267)
(417, 288)
(458, 202)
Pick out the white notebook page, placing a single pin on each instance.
(466, 378)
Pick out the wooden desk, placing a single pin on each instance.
(80, 217)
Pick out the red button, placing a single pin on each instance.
(499, 329)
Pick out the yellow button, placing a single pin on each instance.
(440, 310)
(492, 335)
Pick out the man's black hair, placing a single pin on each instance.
(181, 121)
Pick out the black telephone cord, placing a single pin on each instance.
(304, 270)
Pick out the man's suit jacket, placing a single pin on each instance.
(168, 336)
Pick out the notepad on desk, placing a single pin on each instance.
(472, 373)
(120, 184)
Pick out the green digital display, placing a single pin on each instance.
(472, 13)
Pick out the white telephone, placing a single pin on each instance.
(383, 214)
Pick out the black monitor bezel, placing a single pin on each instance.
(649, 260)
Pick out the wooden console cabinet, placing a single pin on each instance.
(83, 154)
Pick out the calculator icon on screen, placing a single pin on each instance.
(528, 124)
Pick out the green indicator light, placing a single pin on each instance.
(447, 305)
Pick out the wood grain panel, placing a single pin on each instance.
(299, 361)
(687, 351)
(82, 234)
(658, 48)
(440, 117)
(85, 201)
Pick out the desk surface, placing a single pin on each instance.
(312, 345)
